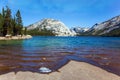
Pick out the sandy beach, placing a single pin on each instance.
(16, 37)
(72, 71)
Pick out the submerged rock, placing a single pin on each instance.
(45, 70)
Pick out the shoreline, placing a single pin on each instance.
(16, 37)
(109, 62)
(80, 71)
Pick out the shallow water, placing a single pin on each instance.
(54, 52)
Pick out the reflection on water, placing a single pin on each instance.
(53, 52)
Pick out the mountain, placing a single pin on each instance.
(108, 28)
(79, 30)
(55, 27)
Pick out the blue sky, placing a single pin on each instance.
(84, 13)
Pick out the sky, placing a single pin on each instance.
(73, 13)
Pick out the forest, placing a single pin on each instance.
(11, 24)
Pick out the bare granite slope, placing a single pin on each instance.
(57, 27)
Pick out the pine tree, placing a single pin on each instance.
(25, 31)
(3, 12)
(14, 27)
(2, 16)
(1, 25)
(19, 23)
(7, 27)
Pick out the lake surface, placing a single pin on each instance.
(54, 52)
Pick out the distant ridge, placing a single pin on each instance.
(110, 27)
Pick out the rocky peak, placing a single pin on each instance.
(108, 24)
(106, 27)
(80, 29)
(56, 26)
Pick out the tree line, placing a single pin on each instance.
(44, 32)
(11, 25)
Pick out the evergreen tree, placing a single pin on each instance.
(7, 27)
(1, 25)
(14, 27)
(25, 31)
(3, 12)
(19, 23)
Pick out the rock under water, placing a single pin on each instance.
(45, 70)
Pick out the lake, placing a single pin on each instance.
(55, 52)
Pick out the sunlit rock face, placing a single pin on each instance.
(106, 27)
(57, 27)
(79, 30)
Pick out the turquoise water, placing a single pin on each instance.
(52, 52)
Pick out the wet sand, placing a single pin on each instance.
(72, 71)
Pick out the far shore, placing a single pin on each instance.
(16, 37)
